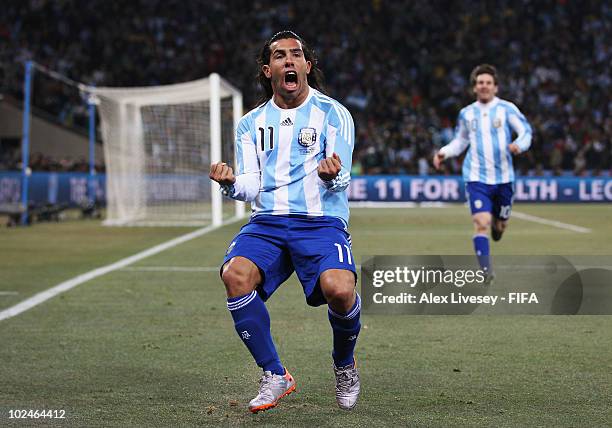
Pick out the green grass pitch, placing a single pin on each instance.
(157, 347)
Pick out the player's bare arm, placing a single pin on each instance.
(329, 168)
(222, 173)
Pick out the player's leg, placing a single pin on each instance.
(325, 265)
(344, 310)
(240, 276)
(251, 319)
(498, 227)
(255, 269)
(344, 305)
(502, 208)
(481, 206)
(482, 224)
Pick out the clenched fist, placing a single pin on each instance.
(222, 173)
(437, 160)
(514, 148)
(329, 168)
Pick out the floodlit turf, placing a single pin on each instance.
(158, 348)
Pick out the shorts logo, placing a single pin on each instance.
(307, 137)
(245, 335)
(478, 204)
(497, 123)
(230, 248)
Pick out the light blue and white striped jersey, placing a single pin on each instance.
(487, 130)
(278, 152)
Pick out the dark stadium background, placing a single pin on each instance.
(401, 67)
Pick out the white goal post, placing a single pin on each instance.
(159, 143)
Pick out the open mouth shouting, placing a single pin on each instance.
(291, 80)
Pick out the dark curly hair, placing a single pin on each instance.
(483, 69)
(315, 77)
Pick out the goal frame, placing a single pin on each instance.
(186, 92)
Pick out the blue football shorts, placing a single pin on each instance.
(282, 244)
(494, 198)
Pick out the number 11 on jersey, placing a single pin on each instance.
(262, 139)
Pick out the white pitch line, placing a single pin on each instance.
(554, 223)
(390, 204)
(172, 269)
(43, 296)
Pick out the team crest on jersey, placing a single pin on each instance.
(497, 123)
(307, 137)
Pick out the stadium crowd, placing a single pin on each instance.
(401, 67)
(10, 159)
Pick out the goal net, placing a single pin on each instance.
(159, 143)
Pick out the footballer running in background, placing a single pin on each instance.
(293, 157)
(485, 128)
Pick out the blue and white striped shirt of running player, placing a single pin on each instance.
(278, 152)
(487, 130)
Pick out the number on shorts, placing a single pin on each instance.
(349, 259)
(504, 211)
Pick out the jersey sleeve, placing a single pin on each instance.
(248, 172)
(340, 140)
(519, 124)
(460, 141)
